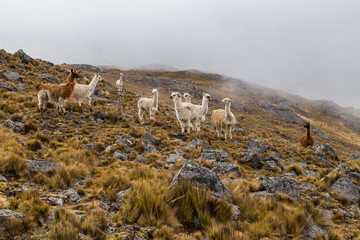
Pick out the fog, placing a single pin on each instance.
(308, 47)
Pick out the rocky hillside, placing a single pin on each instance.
(103, 175)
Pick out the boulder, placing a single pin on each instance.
(327, 149)
(345, 187)
(120, 155)
(23, 56)
(123, 140)
(140, 159)
(16, 126)
(150, 138)
(354, 157)
(257, 145)
(2, 178)
(11, 76)
(197, 142)
(120, 195)
(148, 147)
(7, 86)
(251, 158)
(314, 229)
(173, 158)
(42, 166)
(307, 186)
(216, 155)
(6, 214)
(274, 162)
(183, 137)
(55, 201)
(202, 177)
(281, 185)
(49, 78)
(72, 196)
(321, 157)
(226, 168)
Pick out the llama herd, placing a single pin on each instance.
(188, 114)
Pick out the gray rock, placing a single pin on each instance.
(354, 157)
(89, 147)
(173, 158)
(307, 186)
(127, 115)
(283, 111)
(181, 136)
(51, 218)
(327, 149)
(345, 187)
(148, 147)
(120, 195)
(23, 56)
(240, 130)
(11, 76)
(123, 140)
(251, 158)
(197, 142)
(281, 185)
(15, 126)
(2, 178)
(140, 159)
(7, 86)
(22, 66)
(328, 214)
(321, 157)
(257, 145)
(6, 214)
(314, 229)
(42, 166)
(274, 162)
(72, 195)
(120, 155)
(55, 201)
(216, 155)
(311, 174)
(200, 176)
(49, 78)
(226, 168)
(100, 115)
(79, 214)
(150, 138)
(235, 212)
(290, 174)
(19, 87)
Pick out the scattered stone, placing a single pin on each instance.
(150, 138)
(328, 214)
(216, 155)
(55, 201)
(327, 149)
(11, 76)
(321, 157)
(50, 79)
(51, 218)
(251, 158)
(226, 168)
(311, 174)
(72, 195)
(313, 230)
(307, 186)
(257, 145)
(354, 157)
(240, 130)
(22, 66)
(235, 212)
(15, 126)
(200, 176)
(69, 116)
(148, 147)
(290, 174)
(183, 137)
(120, 195)
(42, 166)
(140, 159)
(2, 178)
(173, 158)
(123, 140)
(6, 214)
(281, 185)
(89, 147)
(345, 187)
(127, 115)
(7, 86)
(100, 115)
(274, 162)
(120, 155)
(197, 142)
(19, 87)
(23, 56)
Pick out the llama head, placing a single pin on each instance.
(226, 101)
(207, 96)
(154, 91)
(98, 77)
(187, 95)
(307, 125)
(74, 74)
(175, 95)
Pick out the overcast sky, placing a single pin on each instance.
(307, 47)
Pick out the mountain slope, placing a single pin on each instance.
(112, 174)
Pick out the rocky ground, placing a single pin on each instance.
(103, 175)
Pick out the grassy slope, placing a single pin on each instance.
(104, 175)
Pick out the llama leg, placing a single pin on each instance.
(152, 114)
(226, 131)
(90, 104)
(141, 115)
(182, 127)
(230, 132)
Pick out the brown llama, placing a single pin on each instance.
(307, 140)
(58, 93)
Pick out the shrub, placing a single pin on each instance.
(33, 144)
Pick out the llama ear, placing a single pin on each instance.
(71, 70)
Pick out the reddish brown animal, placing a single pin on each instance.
(58, 93)
(307, 140)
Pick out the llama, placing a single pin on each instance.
(224, 119)
(307, 140)
(58, 93)
(187, 97)
(199, 111)
(120, 83)
(83, 91)
(149, 104)
(183, 113)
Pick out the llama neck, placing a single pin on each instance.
(155, 100)
(70, 78)
(227, 110)
(178, 104)
(308, 131)
(93, 82)
(205, 104)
